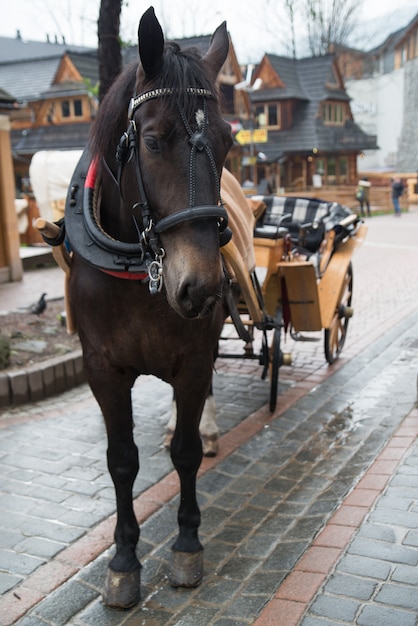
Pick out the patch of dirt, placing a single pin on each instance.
(34, 339)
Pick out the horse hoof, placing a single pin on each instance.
(122, 590)
(186, 569)
(210, 445)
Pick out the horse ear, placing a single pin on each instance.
(215, 57)
(150, 42)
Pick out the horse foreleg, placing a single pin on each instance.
(208, 428)
(186, 454)
(122, 586)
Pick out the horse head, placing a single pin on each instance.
(175, 148)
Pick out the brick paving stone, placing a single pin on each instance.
(351, 586)
(364, 566)
(377, 616)
(10, 538)
(281, 613)
(405, 574)
(379, 531)
(285, 556)
(39, 547)
(405, 519)
(411, 538)
(336, 608)
(264, 583)
(300, 586)
(22, 564)
(394, 501)
(334, 536)
(8, 581)
(398, 595)
(62, 605)
(384, 551)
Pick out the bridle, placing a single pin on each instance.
(128, 151)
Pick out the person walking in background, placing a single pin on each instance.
(397, 191)
(362, 195)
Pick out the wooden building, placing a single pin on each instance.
(309, 136)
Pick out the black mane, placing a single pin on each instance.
(181, 68)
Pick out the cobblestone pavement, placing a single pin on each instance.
(284, 544)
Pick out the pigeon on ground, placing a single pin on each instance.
(39, 307)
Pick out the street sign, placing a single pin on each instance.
(243, 137)
(258, 135)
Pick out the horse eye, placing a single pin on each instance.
(151, 144)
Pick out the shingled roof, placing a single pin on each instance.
(5, 97)
(54, 137)
(28, 69)
(26, 80)
(309, 82)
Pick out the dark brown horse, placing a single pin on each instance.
(146, 223)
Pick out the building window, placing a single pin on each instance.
(267, 115)
(333, 170)
(65, 108)
(333, 113)
(78, 108)
(71, 108)
(343, 170)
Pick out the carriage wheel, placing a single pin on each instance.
(335, 335)
(276, 361)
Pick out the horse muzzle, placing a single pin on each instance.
(194, 300)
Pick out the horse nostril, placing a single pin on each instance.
(194, 299)
(188, 293)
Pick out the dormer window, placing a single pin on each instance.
(267, 115)
(333, 113)
(71, 108)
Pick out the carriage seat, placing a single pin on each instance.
(307, 220)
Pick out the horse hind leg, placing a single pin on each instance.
(208, 428)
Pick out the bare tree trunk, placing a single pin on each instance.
(110, 58)
(290, 7)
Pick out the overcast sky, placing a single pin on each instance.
(76, 20)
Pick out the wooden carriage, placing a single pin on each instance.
(303, 249)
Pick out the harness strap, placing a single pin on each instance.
(126, 275)
(164, 91)
(194, 213)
